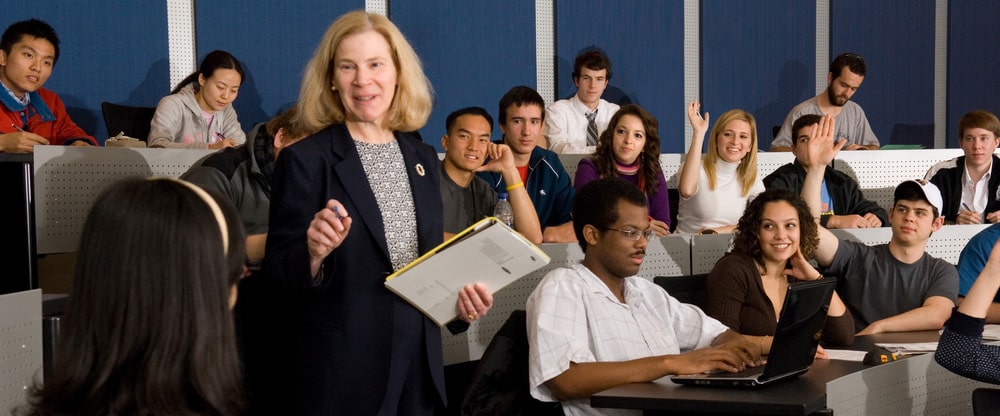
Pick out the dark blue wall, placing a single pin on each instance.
(972, 62)
(750, 60)
(755, 55)
(273, 42)
(109, 51)
(644, 39)
(898, 46)
(473, 52)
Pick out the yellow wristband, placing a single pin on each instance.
(515, 186)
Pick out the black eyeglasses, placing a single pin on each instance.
(634, 235)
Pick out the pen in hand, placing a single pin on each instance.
(16, 127)
(220, 136)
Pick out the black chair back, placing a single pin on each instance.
(500, 383)
(985, 402)
(687, 289)
(133, 121)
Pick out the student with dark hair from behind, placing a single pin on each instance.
(148, 328)
(29, 114)
(198, 113)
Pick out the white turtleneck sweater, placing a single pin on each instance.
(722, 206)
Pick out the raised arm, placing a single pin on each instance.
(687, 185)
(819, 153)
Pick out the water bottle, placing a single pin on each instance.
(503, 211)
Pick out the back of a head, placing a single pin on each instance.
(148, 327)
(31, 27)
(596, 204)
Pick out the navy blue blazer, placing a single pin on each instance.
(347, 321)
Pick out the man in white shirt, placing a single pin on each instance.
(847, 72)
(597, 325)
(970, 184)
(575, 125)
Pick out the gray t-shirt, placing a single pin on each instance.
(875, 285)
(464, 206)
(852, 124)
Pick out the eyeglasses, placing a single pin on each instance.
(634, 235)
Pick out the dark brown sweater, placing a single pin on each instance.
(735, 296)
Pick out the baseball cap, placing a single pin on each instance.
(920, 187)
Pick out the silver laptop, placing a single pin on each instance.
(795, 339)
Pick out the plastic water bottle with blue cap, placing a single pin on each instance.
(503, 211)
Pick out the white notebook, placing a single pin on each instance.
(488, 252)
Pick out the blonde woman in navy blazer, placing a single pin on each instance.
(362, 350)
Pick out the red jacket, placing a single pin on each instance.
(47, 117)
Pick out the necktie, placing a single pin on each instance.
(591, 129)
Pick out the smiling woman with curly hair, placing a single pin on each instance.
(774, 239)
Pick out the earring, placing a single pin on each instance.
(333, 88)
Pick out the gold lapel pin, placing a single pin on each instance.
(420, 169)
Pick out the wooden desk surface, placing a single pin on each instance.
(801, 396)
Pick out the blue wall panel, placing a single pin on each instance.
(471, 55)
(898, 46)
(273, 43)
(644, 39)
(109, 51)
(758, 56)
(972, 66)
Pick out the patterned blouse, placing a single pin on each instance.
(386, 171)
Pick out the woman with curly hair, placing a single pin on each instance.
(774, 239)
(630, 150)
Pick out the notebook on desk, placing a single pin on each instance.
(793, 349)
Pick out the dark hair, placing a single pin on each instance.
(649, 159)
(520, 96)
(148, 328)
(852, 61)
(747, 234)
(910, 191)
(214, 60)
(803, 122)
(597, 204)
(31, 27)
(594, 60)
(978, 119)
(475, 111)
(286, 121)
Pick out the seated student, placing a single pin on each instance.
(32, 115)
(970, 184)
(714, 193)
(746, 288)
(843, 205)
(198, 113)
(889, 287)
(243, 174)
(630, 150)
(148, 328)
(466, 197)
(574, 125)
(597, 325)
(971, 263)
(961, 349)
(522, 117)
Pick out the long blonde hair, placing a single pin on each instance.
(747, 170)
(319, 106)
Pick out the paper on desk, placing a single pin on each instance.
(910, 347)
(846, 355)
(991, 332)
